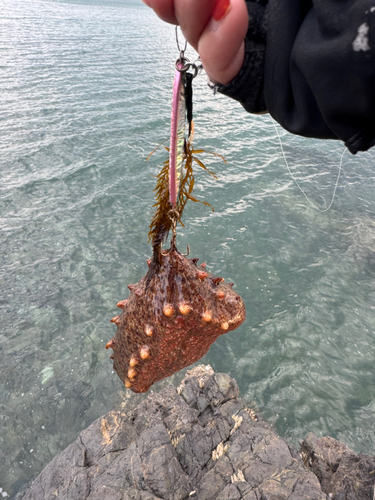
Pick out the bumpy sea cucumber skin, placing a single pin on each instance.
(170, 320)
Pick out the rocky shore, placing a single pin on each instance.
(198, 441)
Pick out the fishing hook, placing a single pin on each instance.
(163, 253)
(188, 251)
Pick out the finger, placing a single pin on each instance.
(164, 9)
(221, 45)
(193, 17)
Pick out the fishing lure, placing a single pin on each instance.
(182, 111)
(178, 309)
(175, 183)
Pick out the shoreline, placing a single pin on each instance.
(199, 441)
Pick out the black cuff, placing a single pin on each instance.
(362, 140)
(247, 86)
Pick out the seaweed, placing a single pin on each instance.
(165, 216)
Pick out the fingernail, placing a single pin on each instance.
(220, 9)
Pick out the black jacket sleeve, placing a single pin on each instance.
(248, 86)
(319, 69)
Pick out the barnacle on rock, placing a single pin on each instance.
(219, 451)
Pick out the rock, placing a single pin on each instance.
(343, 474)
(195, 442)
(199, 442)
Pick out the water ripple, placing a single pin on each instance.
(85, 97)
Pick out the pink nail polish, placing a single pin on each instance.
(220, 9)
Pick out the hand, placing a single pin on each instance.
(215, 28)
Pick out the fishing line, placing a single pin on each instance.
(299, 186)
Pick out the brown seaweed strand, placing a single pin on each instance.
(162, 222)
(187, 183)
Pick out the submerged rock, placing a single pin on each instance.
(197, 441)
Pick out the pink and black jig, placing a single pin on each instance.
(182, 114)
(175, 182)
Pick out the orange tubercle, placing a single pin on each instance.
(201, 275)
(116, 320)
(144, 352)
(133, 361)
(132, 373)
(207, 316)
(220, 294)
(184, 308)
(148, 330)
(122, 303)
(168, 310)
(109, 344)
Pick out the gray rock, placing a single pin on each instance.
(343, 474)
(195, 442)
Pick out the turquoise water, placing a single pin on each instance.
(84, 97)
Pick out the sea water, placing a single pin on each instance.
(85, 94)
